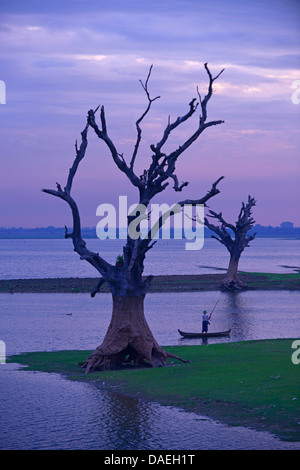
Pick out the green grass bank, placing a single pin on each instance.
(249, 383)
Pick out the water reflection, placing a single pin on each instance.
(237, 309)
(127, 421)
(133, 424)
(249, 314)
(44, 411)
(35, 322)
(232, 313)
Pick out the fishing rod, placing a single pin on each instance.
(213, 310)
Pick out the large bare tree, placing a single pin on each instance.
(235, 239)
(129, 338)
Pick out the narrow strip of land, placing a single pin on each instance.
(170, 283)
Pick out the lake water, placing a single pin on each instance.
(45, 411)
(53, 413)
(35, 322)
(56, 258)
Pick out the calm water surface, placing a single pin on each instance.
(53, 413)
(45, 411)
(35, 322)
(56, 258)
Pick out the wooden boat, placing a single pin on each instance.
(204, 335)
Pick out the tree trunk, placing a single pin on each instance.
(128, 339)
(232, 281)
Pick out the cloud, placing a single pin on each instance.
(60, 59)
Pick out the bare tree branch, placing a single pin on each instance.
(176, 208)
(128, 337)
(97, 287)
(224, 224)
(80, 153)
(209, 93)
(163, 166)
(117, 157)
(212, 192)
(234, 238)
(137, 124)
(79, 244)
(170, 127)
(155, 179)
(223, 236)
(244, 223)
(176, 184)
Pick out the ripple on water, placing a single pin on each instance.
(46, 411)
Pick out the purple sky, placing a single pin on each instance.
(61, 58)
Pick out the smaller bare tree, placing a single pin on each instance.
(235, 238)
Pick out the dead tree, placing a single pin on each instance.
(129, 338)
(235, 238)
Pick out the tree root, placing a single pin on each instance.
(127, 358)
(233, 284)
(129, 341)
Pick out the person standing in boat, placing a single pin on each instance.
(205, 321)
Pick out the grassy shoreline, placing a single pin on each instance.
(248, 383)
(169, 283)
